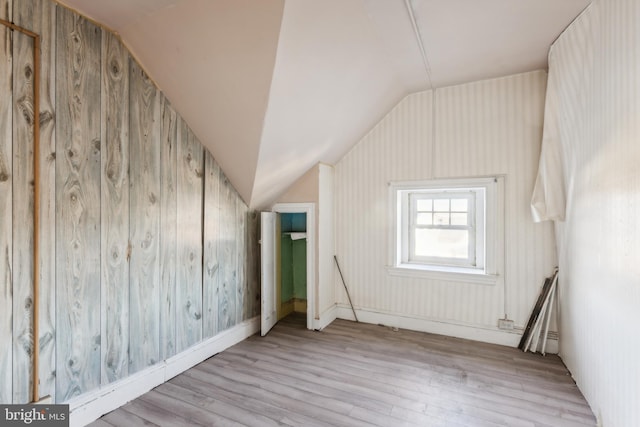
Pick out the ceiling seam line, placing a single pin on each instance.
(416, 31)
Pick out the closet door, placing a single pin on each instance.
(268, 248)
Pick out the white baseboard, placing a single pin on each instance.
(326, 318)
(459, 330)
(91, 406)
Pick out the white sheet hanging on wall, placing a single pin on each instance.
(548, 201)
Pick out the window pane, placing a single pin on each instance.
(424, 218)
(441, 205)
(425, 205)
(441, 218)
(459, 205)
(459, 219)
(442, 243)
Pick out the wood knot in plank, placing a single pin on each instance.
(212, 270)
(115, 253)
(115, 69)
(148, 240)
(46, 117)
(25, 105)
(45, 340)
(26, 341)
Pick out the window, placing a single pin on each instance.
(447, 226)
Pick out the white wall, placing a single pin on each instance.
(478, 129)
(593, 123)
(326, 245)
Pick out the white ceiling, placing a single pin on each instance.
(273, 87)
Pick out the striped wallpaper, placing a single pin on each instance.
(594, 103)
(484, 128)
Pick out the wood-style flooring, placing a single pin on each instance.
(354, 374)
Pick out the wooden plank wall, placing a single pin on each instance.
(189, 251)
(168, 225)
(146, 247)
(211, 277)
(145, 220)
(6, 206)
(78, 204)
(115, 210)
(42, 20)
(226, 255)
(23, 117)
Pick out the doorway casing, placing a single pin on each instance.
(310, 210)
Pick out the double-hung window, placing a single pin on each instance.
(445, 227)
(448, 226)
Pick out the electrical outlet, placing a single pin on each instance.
(505, 324)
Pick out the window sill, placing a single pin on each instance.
(451, 274)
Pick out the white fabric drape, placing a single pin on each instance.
(549, 201)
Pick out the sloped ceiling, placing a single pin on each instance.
(272, 87)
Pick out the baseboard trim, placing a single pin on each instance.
(328, 316)
(299, 305)
(471, 332)
(90, 406)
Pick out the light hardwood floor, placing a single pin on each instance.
(362, 375)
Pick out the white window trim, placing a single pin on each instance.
(494, 232)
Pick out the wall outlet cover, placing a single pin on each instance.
(505, 324)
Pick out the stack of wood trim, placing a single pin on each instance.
(535, 334)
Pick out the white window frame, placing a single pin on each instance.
(488, 246)
(476, 225)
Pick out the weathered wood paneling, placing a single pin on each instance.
(120, 288)
(23, 191)
(189, 251)
(241, 248)
(78, 205)
(168, 225)
(227, 255)
(115, 209)
(6, 207)
(144, 151)
(44, 23)
(211, 277)
(39, 17)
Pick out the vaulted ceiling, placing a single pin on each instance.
(273, 87)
